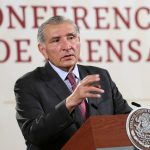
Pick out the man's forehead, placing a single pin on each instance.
(60, 30)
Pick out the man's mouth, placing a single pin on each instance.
(68, 56)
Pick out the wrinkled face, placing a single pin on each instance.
(62, 45)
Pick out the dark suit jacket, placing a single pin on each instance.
(40, 104)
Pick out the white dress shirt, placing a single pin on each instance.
(63, 75)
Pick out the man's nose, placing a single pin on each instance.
(65, 44)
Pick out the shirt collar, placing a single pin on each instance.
(63, 74)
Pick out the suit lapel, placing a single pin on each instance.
(55, 83)
(92, 102)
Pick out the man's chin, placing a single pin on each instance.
(68, 67)
(69, 63)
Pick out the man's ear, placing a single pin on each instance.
(42, 50)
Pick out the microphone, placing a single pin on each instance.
(135, 104)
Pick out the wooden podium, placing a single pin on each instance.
(101, 133)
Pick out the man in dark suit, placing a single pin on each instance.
(48, 107)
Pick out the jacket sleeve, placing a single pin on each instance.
(120, 105)
(37, 126)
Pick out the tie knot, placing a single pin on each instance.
(71, 78)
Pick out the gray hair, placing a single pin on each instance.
(53, 21)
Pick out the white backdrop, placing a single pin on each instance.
(114, 34)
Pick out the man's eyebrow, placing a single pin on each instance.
(68, 34)
(55, 37)
(73, 33)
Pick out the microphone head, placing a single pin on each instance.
(135, 104)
